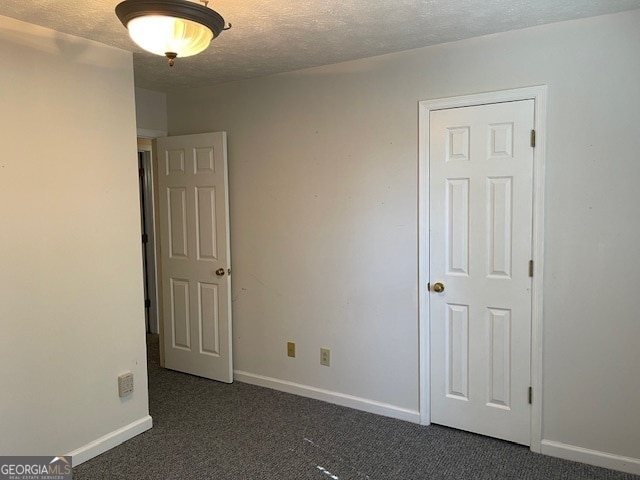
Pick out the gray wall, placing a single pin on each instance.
(151, 113)
(323, 182)
(71, 299)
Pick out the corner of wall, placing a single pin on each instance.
(113, 439)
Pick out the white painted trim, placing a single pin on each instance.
(145, 133)
(336, 398)
(591, 457)
(539, 155)
(539, 95)
(424, 369)
(110, 440)
(150, 215)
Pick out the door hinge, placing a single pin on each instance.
(531, 268)
(530, 395)
(145, 238)
(533, 138)
(147, 303)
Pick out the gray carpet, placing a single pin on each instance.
(208, 430)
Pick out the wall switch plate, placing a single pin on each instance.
(125, 384)
(291, 349)
(325, 357)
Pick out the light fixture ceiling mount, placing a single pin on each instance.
(172, 28)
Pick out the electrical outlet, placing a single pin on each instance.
(125, 384)
(325, 357)
(291, 349)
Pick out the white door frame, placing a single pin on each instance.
(539, 95)
(149, 215)
(146, 142)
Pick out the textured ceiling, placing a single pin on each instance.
(273, 36)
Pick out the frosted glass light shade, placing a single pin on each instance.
(158, 34)
(174, 28)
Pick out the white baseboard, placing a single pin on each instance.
(591, 457)
(342, 399)
(110, 440)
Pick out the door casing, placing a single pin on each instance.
(148, 217)
(539, 95)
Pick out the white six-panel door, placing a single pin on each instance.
(195, 259)
(480, 221)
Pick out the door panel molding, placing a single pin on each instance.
(539, 95)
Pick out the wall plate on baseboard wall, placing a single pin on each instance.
(125, 384)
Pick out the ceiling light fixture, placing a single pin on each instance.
(173, 28)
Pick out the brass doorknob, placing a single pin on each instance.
(438, 287)
(220, 272)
